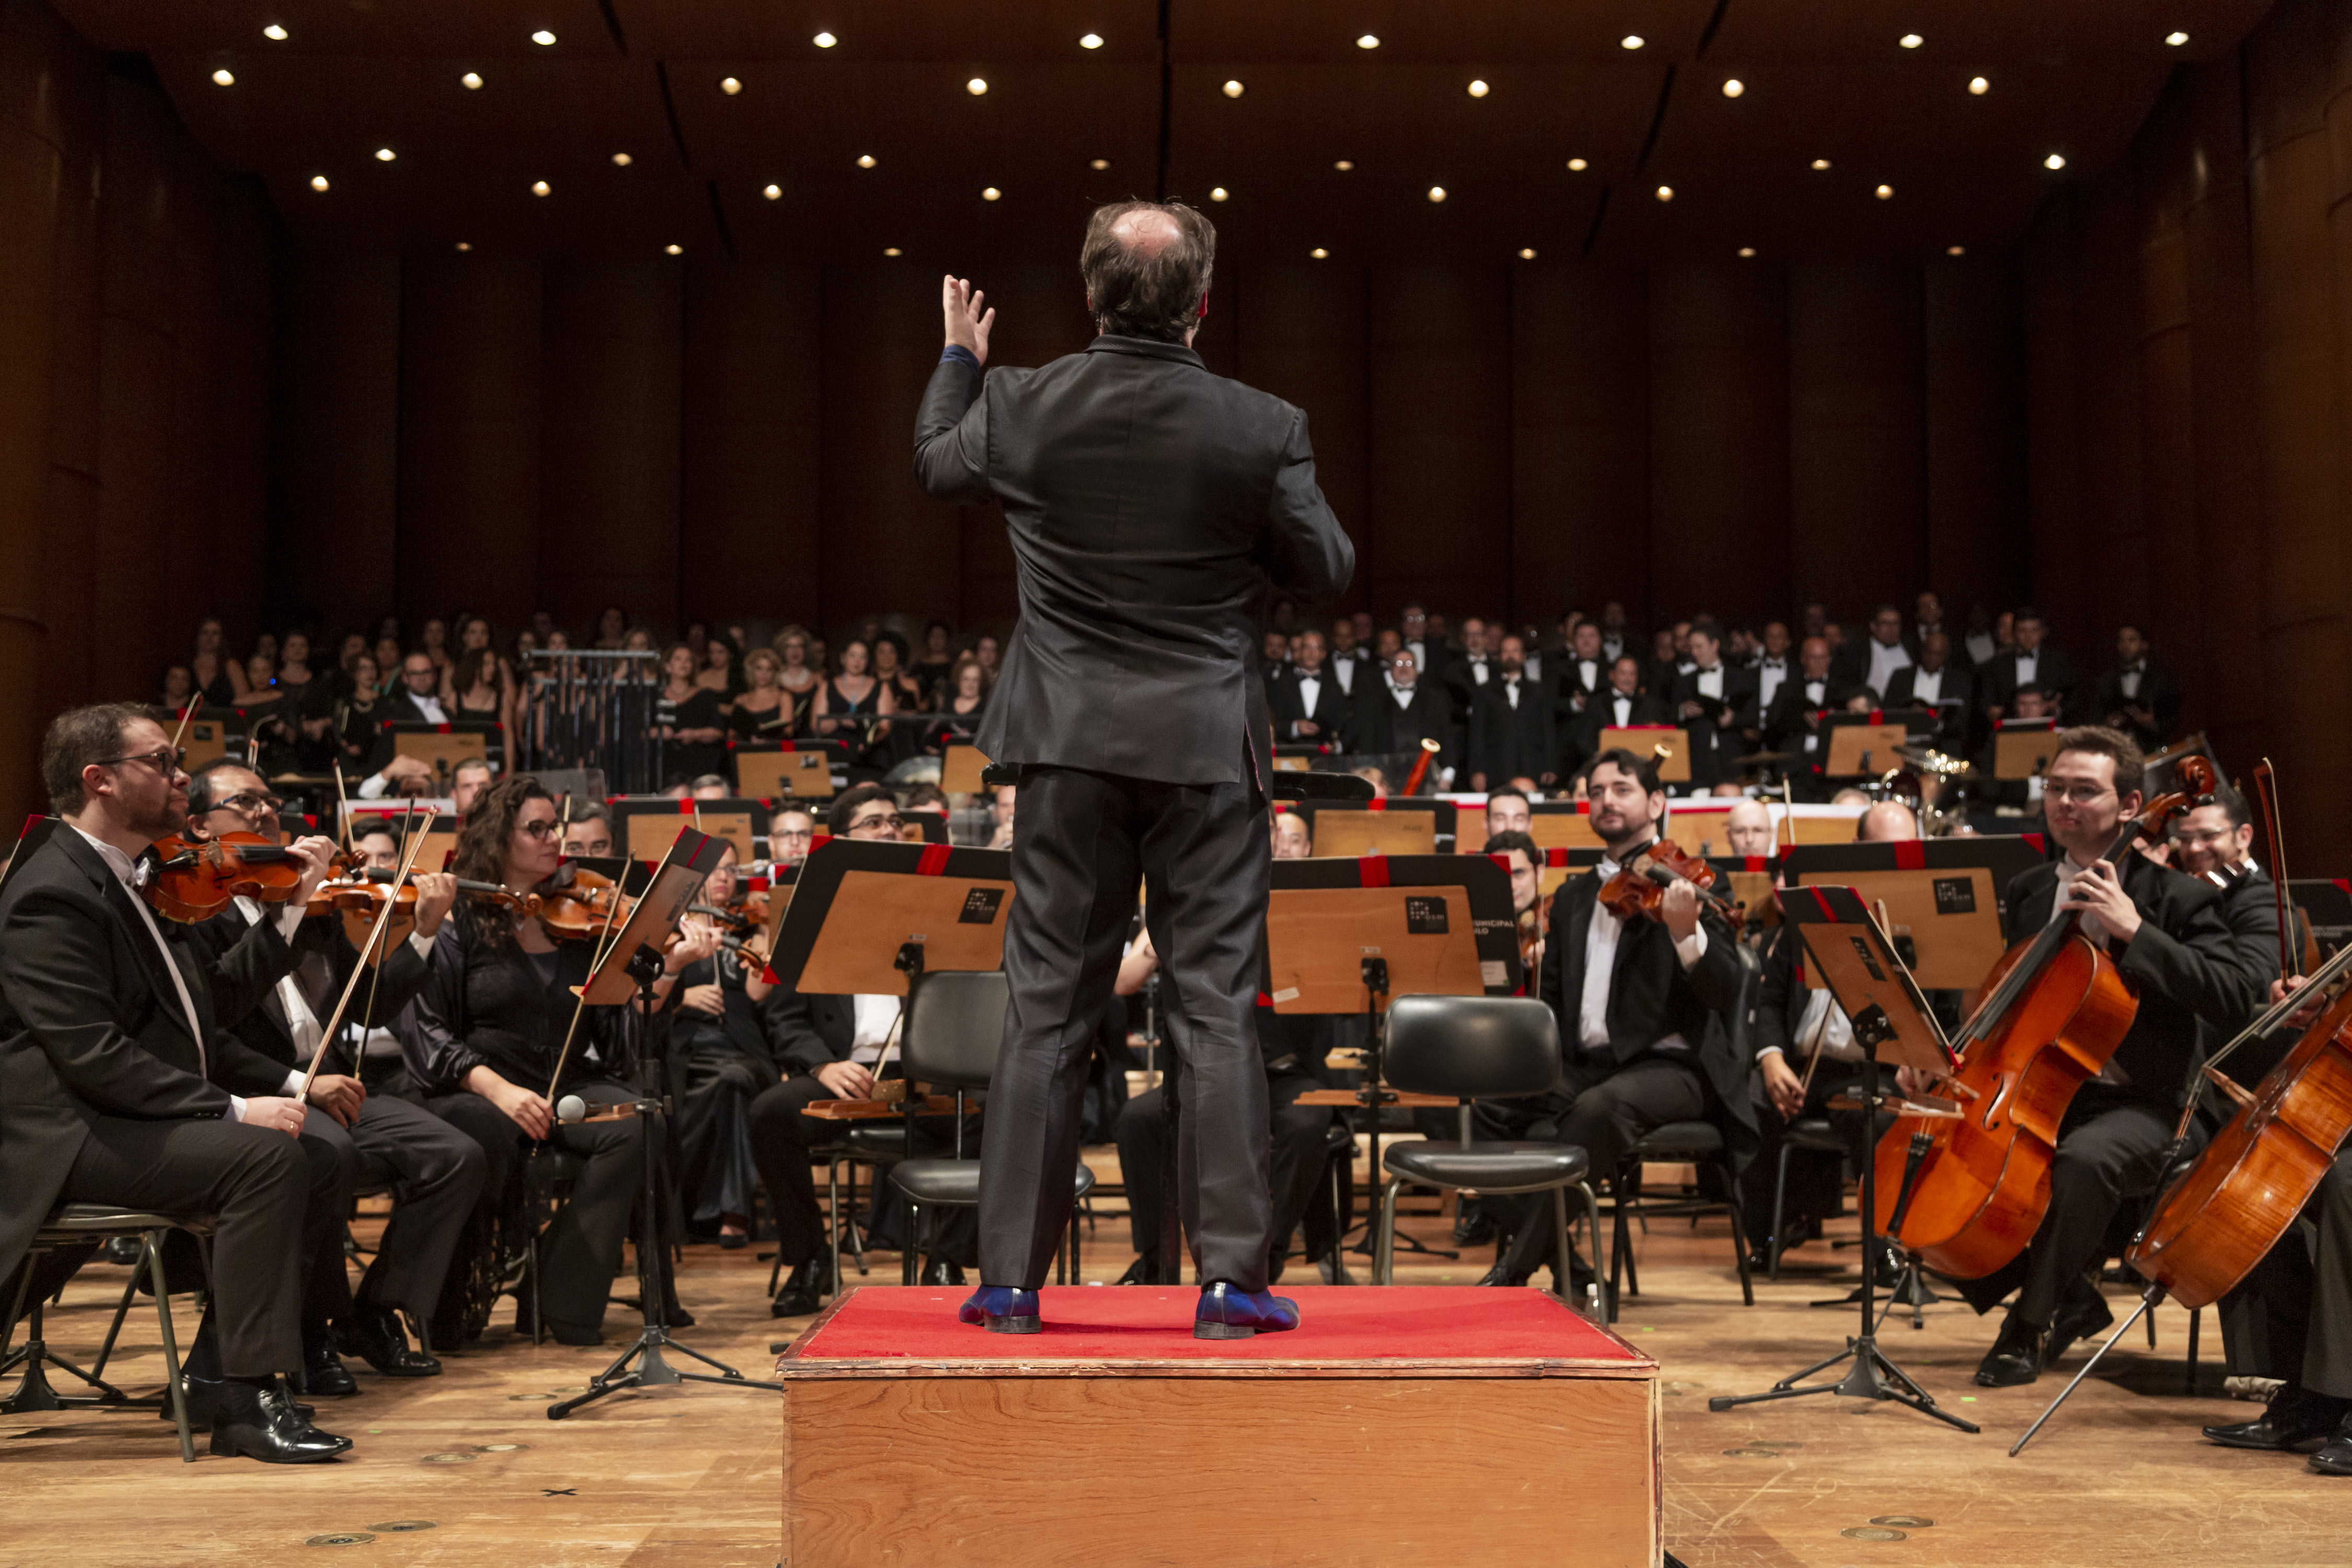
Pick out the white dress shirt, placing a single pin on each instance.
(1343, 670)
(1928, 686)
(2128, 679)
(1769, 674)
(877, 1016)
(1310, 690)
(1885, 660)
(302, 1023)
(1621, 705)
(1600, 968)
(2029, 668)
(1710, 681)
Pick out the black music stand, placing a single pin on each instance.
(631, 962)
(1891, 1020)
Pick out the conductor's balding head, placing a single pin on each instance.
(1147, 267)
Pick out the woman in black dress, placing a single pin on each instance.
(848, 705)
(687, 723)
(359, 719)
(722, 1038)
(483, 1040)
(959, 719)
(935, 668)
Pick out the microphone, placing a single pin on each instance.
(571, 1108)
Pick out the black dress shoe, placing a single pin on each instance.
(373, 1332)
(324, 1376)
(1503, 1274)
(203, 1397)
(2295, 1416)
(803, 1289)
(1141, 1270)
(2083, 1314)
(261, 1423)
(2015, 1358)
(942, 1272)
(2335, 1459)
(1473, 1228)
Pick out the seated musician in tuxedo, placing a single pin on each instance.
(1512, 731)
(1795, 721)
(2138, 696)
(435, 1172)
(1405, 710)
(1621, 706)
(2028, 660)
(2215, 843)
(1873, 660)
(1772, 667)
(1642, 1009)
(1715, 701)
(116, 1067)
(1805, 1057)
(1308, 707)
(1936, 684)
(828, 1046)
(2168, 936)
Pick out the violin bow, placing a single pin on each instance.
(342, 806)
(376, 934)
(376, 979)
(2266, 786)
(580, 995)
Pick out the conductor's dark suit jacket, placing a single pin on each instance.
(91, 1024)
(2184, 961)
(1150, 503)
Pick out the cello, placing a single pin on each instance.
(1965, 1193)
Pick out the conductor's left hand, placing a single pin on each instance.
(967, 325)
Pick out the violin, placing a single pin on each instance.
(2055, 1008)
(197, 879)
(1640, 889)
(580, 905)
(359, 900)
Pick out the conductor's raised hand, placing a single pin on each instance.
(968, 324)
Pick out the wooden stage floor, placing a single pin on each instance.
(689, 1475)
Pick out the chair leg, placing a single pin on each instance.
(1620, 1243)
(1077, 1241)
(1340, 1275)
(1593, 1227)
(833, 1223)
(1560, 1228)
(913, 1244)
(2196, 1321)
(121, 1310)
(1384, 1248)
(1739, 1238)
(530, 1247)
(1780, 1195)
(174, 1388)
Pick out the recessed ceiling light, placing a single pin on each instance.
(1746, 251)
(673, 250)
(1344, 164)
(464, 245)
(1630, 41)
(1437, 193)
(1884, 192)
(1368, 41)
(1233, 89)
(891, 251)
(1098, 164)
(990, 194)
(1979, 86)
(824, 40)
(471, 81)
(274, 32)
(1217, 193)
(1479, 89)
(2055, 161)
(774, 193)
(622, 159)
(1819, 163)
(1733, 86)
(541, 188)
(729, 85)
(1910, 40)
(224, 78)
(385, 154)
(866, 160)
(1665, 192)
(1526, 253)
(1577, 165)
(977, 86)
(1318, 253)
(318, 182)
(1090, 41)
(2175, 39)
(543, 38)
(1955, 250)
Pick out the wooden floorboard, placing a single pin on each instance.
(689, 1475)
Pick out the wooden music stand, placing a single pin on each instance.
(960, 769)
(1859, 749)
(1943, 893)
(442, 747)
(209, 738)
(676, 883)
(2019, 754)
(1347, 834)
(859, 904)
(648, 823)
(1644, 741)
(772, 775)
(1557, 825)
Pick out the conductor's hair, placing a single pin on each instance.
(1643, 770)
(2098, 740)
(1142, 291)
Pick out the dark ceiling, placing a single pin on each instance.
(1823, 80)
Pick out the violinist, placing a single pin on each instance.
(790, 832)
(116, 1069)
(722, 1038)
(435, 1171)
(1524, 859)
(1641, 1006)
(2167, 935)
(588, 832)
(484, 1040)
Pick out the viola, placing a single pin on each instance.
(2055, 1010)
(195, 879)
(1639, 891)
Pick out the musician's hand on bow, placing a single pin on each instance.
(845, 1080)
(316, 856)
(338, 1096)
(967, 325)
(2099, 891)
(1782, 1086)
(2301, 1017)
(1679, 907)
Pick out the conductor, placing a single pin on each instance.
(1150, 504)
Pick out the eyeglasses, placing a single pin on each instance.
(166, 760)
(542, 828)
(2080, 794)
(248, 803)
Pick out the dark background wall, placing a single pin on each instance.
(2137, 414)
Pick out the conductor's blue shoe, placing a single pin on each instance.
(1226, 1313)
(1002, 1309)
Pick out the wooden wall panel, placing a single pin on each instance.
(468, 437)
(1974, 380)
(1301, 331)
(2167, 374)
(1579, 442)
(1857, 459)
(336, 456)
(748, 523)
(76, 99)
(1719, 441)
(1441, 438)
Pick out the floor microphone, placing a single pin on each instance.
(571, 1108)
